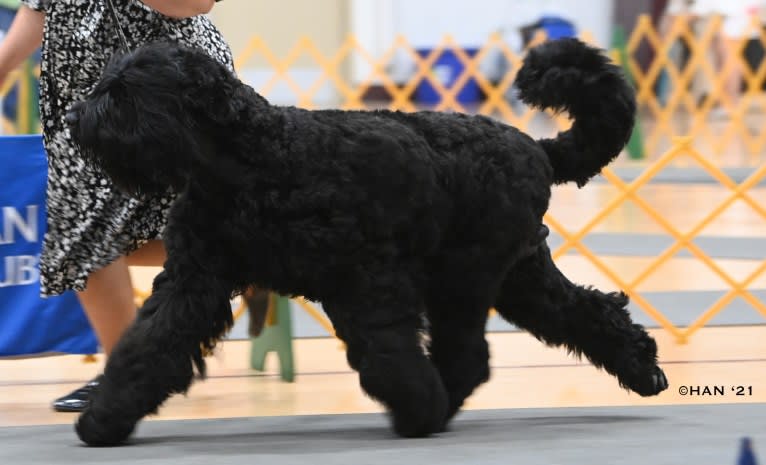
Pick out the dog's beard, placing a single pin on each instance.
(141, 152)
(130, 178)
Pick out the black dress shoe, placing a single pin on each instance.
(77, 400)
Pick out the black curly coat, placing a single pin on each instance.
(384, 217)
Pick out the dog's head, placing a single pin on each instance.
(153, 116)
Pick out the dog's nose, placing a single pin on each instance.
(73, 115)
(543, 232)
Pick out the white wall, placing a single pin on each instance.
(425, 22)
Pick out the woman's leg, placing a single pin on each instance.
(108, 298)
(150, 254)
(109, 304)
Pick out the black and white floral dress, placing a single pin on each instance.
(89, 223)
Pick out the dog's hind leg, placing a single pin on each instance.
(457, 344)
(538, 298)
(383, 342)
(185, 314)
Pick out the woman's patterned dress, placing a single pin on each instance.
(89, 223)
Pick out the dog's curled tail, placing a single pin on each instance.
(568, 75)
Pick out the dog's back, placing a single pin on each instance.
(450, 191)
(429, 196)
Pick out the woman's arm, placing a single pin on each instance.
(180, 8)
(24, 37)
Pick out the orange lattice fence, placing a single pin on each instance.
(683, 108)
(14, 80)
(686, 59)
(683, 239)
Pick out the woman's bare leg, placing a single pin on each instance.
(108, 298)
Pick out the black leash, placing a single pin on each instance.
(120, 32)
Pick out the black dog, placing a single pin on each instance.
(384, 217)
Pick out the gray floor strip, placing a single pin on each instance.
(700, 435)
(682, 309)
(651, 245)
(683, 175)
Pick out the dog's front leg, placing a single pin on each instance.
(154, 359)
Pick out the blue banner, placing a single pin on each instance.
(30, 324)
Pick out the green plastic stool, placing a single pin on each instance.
(276, 336)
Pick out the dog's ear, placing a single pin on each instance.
(211, 89)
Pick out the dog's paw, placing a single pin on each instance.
(422, 412)
(421, 426)
(421, 421)
(650, 384)
(660, 380)
(97, 433)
